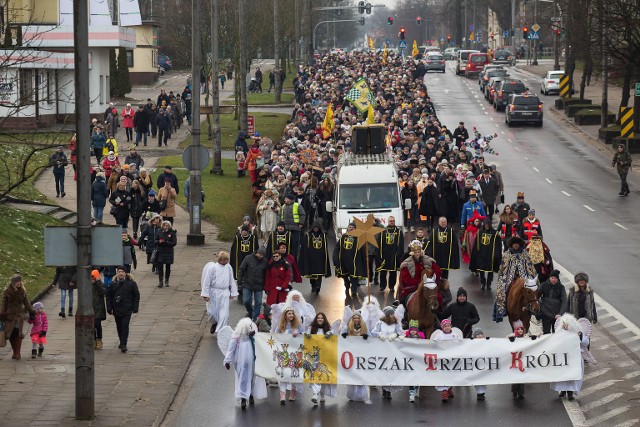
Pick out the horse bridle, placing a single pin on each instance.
(531, 301)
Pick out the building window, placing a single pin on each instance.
(26, 87)
(130, 58)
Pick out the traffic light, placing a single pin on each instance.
(361, 7)
(418, 21)
(361, 21)
(402, 30)
(525, 32)
(367, 8)
(390, 20)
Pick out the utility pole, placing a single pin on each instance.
(556, 37)
(242, 45)
(514, 41)
(605, 69)
(309, 29)
(85, 374)
(215, 91)
(475, 27)
(195, 236)
(466, 29)
(276, 48)
(296, 29)
(535, 41)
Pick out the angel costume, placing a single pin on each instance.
(305, 311)
(439, 335)
(567, 325)
(241, 354)
(358, 393)
(218, 285)
(267, 211)
(389, 331)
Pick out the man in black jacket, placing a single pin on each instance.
(553, 302)
(251, 275)
(123, 299)
(168, 174)
(490, 190)
(463, 314)
(141, 123)
(460, 135)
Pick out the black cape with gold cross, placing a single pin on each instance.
(348, 260)
(443, 246)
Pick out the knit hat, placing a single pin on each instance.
(262, 250)
(532, 211)
(95, 274)
(517, 324)
(246, 218)
(461, 291)
(445, 322)
(38, 306)
(16, 278)
(556, 274)
(477, 332)
(151, 193)
(388, 311)
(581, 276)
(280, 223)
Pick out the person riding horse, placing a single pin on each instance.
(515, 264)
(411, 271)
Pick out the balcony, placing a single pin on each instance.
(61, 37)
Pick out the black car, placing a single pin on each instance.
(164, 62)
(504, 57)
(506, 88)
(524, 108)
(498, 72)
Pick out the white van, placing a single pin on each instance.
(366, 184)
(463, 56)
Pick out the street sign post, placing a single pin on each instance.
(402, 44)
(535, 28)
(505, 34)
(535, 36)
(189, 157)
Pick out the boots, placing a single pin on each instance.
(40, 351)
(166, 283)
(570, 395)
(34, 353)
(70, 312)
(445, 396)
(98, 344)
(283, 397)
(292, 395)
(61, 314)
(12, 341)
(18, 348)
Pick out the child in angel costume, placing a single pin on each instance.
(446, 333)
(414, 333)
(320, 326)
(568, 325)
(239, 350)
(289, 323)
(353, 325)
(478, 334)
(305, 311)
(389, 327)
(518, 332)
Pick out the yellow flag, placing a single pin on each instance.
(370, 115)
(329, 123)
(384, 55)
(371, 45)
(414, 51)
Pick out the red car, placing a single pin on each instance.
(476, 63)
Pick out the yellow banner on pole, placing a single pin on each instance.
(414, 51)
(329, 123)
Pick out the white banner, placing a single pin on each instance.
(130, 13)
(99, 12)
(411, 362)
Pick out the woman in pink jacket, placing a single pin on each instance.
(127, 121)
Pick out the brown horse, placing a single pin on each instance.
(522, 302)
(421, 305)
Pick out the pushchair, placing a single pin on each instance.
(253, 86)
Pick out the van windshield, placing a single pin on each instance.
(368, 196)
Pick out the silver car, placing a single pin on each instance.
(551, 82)
(435, 62)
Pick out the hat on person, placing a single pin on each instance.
(289, 196)
(280, 223)
(388, 311)
(532, 211)
(461, 291)
(515, 239)
(126, 167)
(262, 250)
(477, 332)
(38, 306)
(581, 276)
(246, 218)
(555, 273)
(169, 167)
(413, 324)
(445, 322)
(95, 274)
(244, 228)
(16, 278)
(517, 324)
(520, 195)
(151, 193)
(257, 134)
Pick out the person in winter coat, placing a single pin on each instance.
(490, 190)
(113, 122)
(98, 140)
(165, 243)
(581, 301)
(38, 330)
(66, 279)
(109, 164)
(121, 201)
(168, 173)
(508, 226)
(409, 192)
(251, 277)
(59, 162)
(314, 256)
(141, 125)
(99, 196)
(622, 162)
(553, 302)
(251, 162)
(134, 157)
(15, 305)
(163, 124)
(486, 254)
(99, 308)
(123, 300)
(241, 142)
(168, 195)
(151, 204)
(148, 238)
(136, 208)
(127, 121)
(520, 207)
(429, 203)
(128, 251)
(463, 313)
(145, 180)
(276, 283)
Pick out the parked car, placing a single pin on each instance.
(451, 53)
(463, 56)
(492, 88)
(506, 88)
(435, 62)
(551, 82)
(164, 62)
(503, 56)
(524, 108)
(485, 70)
(476, 63)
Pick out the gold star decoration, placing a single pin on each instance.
(365, 231)
(271, 342)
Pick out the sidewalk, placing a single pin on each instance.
(134, 388)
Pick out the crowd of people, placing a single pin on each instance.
(458, 215)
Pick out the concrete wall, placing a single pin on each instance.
(34, 12)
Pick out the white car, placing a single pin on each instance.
(551, 82)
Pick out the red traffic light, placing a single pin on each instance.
(390, 20)
(418, 21)
(402, 30)
(448, 37)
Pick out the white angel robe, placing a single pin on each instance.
(576, 385)
(241, 355)
(218, 285)
(455, 335)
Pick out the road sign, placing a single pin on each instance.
(637, 89)
(471, 27)
(251, 125)
(535, 36)
(402, 44)
(626, 120)
(564, 87)
(535, 28)
(387, 42)
(506, 34)
(188, 157)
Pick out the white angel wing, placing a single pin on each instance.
(371, 314)
(335, 327)
(276, 315)
(458, 333)
(346, 315)
(435, 336)
(587, 327)
(310, 314)
(400, 313)
(224, 338)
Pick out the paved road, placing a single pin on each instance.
(559, 174)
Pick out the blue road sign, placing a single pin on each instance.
(471, 27)
(506, 34)
(387, 42)
(402, 44)
(535, 36)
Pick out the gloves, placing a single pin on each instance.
(382, 337)
(252, 333)
(344, 335)
(534, 337)
(365, 336)
(278, 288)
(512, 339)
(307, 334)
(392, 337)
(328, 334)
(43, 333)
(228, 366)
(32, 317)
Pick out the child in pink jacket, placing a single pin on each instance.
(39, 330)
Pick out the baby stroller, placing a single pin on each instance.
(253, 86)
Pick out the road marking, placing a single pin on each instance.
(631, 375)
(509, 139)
(589, 208)
(575, 413)
(630, 340)
(497, 125)
(548, 180)
(517, 149)
(608, 415)
(586, 391)
(621, 226)
(536, 169)
(502, 132)
(593, 405)
(610, 324)
(566, 194)
(526, 158)
(628, 423)
(491, 118)
(486, 112)
(595, 374)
